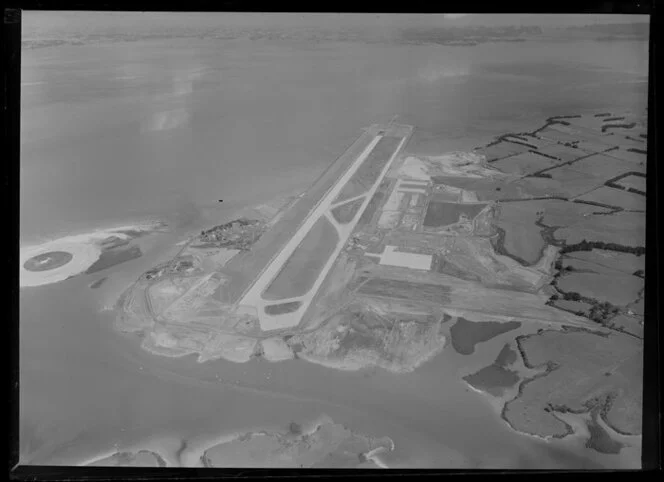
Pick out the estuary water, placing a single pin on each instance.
(163, 129)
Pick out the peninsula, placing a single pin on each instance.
(537, 237)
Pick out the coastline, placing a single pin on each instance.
(171, 451)
(85, 249)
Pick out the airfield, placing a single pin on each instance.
(389, 258)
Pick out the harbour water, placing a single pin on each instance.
(162, 129)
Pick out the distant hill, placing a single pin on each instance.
(468, 34)
(611, 31)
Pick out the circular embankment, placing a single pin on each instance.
(56, 261)
(65, 257)
(48, 261)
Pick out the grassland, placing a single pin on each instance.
(625, 228)
(282, 308)
(524, 163)
(521, 234)
(601, 260)
(614, 197)
(346, 212)
(618, 289)
(577, 307)
(634, 182)
(371, 208)
(607, 372)
(601, 166)
(303, 267)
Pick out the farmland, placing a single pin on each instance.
(608, 368)
(613, 197)
(619, 289)
(633, 182)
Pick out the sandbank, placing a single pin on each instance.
(85, 249)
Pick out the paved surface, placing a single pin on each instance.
(253, 302)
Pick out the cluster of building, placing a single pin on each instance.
(239, 234)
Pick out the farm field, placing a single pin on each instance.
(624, 228)
(568, 183)
(634, 182)
(563, 153)
(524, 239)
(615, 288)
(615, 197)
(573, 306)
(608, 368)
(525, 163)
(601, 166)
(553, 132)
(500, 150)
(629, 324)
(592, 146)
(522, 235)
(637, 160)
(611, 260)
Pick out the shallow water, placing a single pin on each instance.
(202, 120)
(163, 129)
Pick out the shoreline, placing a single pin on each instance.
(85, 248)
(354, 364)
(600, 406)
